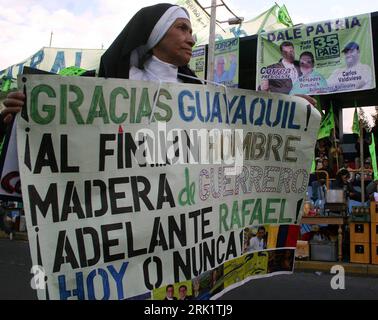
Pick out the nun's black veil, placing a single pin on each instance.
(115, 62)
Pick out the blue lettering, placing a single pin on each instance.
(259, 121)
(105, 283)
(191, 109)
(278, 114)
(280, 36)
(78, 59)
(355, 22)
(319, 29)
(238, 32)
(285, 114)
(271, 37)
(198, 103)
(10, 73)
(37, 59)
(78, 292)
(230, 105)
(20, 67)
(240, 112)
(297, 33)
(118, 277)
(309, 30)
(59, 63)
(291, 125)
(216, 112)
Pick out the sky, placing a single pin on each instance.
(26, 25)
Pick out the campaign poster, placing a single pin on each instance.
(319, 58)
(198, 61)
(226, 63)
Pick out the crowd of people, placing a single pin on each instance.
(334, 170)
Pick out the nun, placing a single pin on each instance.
(156, 45)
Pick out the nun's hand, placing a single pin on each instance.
(13, 103)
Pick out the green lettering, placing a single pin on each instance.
(63, 104)
(269, 210)
(235, 219)
(223, 213)
(113, 104)
(282, 213)
(98, 101)
(246, 212)
(74, 105)
(144, 109)
(48, 108)
(257, 213)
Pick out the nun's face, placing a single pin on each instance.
(176, 46)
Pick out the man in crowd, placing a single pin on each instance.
(282, 75)
(169, 293)
(183, 290)
(257, 243)
(223, 76)
(355, 75)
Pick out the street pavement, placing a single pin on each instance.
(15, 277)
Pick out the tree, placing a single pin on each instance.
(363, 119)
(375, 120)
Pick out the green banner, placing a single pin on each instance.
(317, 58)
(373, 156)
(226, 66)
(327, 124)
(198, 61)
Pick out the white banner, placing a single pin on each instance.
(265, 21)
(120, 205)
(55, 59)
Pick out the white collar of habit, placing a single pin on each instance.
(161, 70)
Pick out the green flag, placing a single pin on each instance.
(328, 123)
(72, 71)
(313, 166)
(6, 85)
(283, 16)
(356, 123)
(373, 156)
